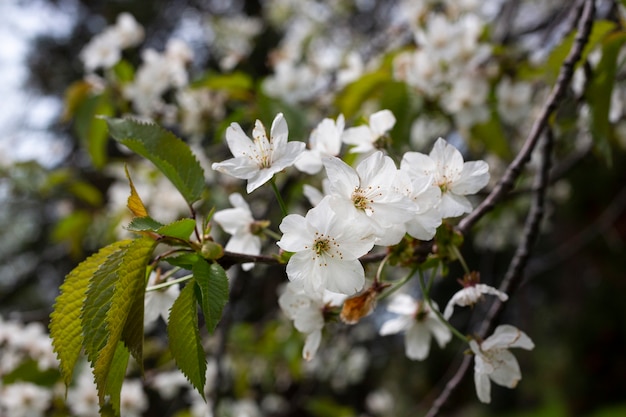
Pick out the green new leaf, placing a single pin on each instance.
(184, 337)
(167, 152)
(65, 324)
(120, 324)
(144, 224)
(212, 286)
(180, 229)
(92, 130)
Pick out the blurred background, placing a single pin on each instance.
(196, 66)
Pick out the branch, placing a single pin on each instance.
(507, 181)
(515, 271)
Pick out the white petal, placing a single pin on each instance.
(453, 205)
(238, 142)
(381, 122)
(260, 177)
(474, 176)
(312, 194)
(417, 342)
(506, 372)
(311, 345)
(295, 234)
(309, 162)
(417, 164)
(237, 200)
(234, 220)
(279, 131)
(438, 329)
(357, 135)
(448, 159)
(423, 226)
(395, 325)
(483, 387)
(343, 179)
(247, 243)
(403, 304)
(239, 167)
(309, 320)
(344, 277)
(486, 289)
(506, 336)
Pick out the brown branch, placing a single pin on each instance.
(513, 171)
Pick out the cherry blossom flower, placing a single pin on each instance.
(493, 361)
(364, 137)
(24, 399)
(455, 178)
(420, 324)
(470, 295)
(327, 247)
(426, 218)
(244, 230)
(257, 161)
(325, 140)
(307, 312)
(369, 192)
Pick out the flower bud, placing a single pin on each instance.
(211, 250)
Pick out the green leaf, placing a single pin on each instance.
(115, 379)
(144, 224)
(184, 338)
(167, 152)
(185, 261)
(92, 130)
(350, 100)
(65, 320)
(128, 289)
(212, 285)
(180, 229)
(599, 92)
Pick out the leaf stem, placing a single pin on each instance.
(169, 283)
(281, 203)
(425, 293)
(459, 256)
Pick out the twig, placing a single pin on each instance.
(507, 181)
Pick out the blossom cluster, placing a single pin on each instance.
(373, 204)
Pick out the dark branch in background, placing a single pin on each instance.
(514, 274)
(516, 268)
(513, 171)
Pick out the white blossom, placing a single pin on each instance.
(364, 137)
(24, 399)
(493, 361)
(133, 400)
(470, 295)
(370, 193)
(455, 178)
(419, 323)
(327, 247)
(306, 309)
(325, 140)
(257, 161)
(240, 224)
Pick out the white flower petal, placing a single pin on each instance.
(238, 143)
(395, 325)
(474, 176)
(417, 342)
(381, 122)
(506, 336)
(483, 387)
(279, 131)
(311, 345)
(403, 304)
(453, 205)
(507, 373)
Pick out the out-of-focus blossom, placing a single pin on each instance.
(493, 361)
(325, 140)
(364, 137)
(158, 302)
(24, 399)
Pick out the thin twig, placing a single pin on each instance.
(513, 171)
(516, 269)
